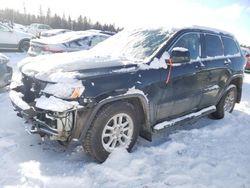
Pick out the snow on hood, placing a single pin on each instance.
(66, 62)
(127, 47)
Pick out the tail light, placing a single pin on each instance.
(47, 49)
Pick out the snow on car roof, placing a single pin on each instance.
(66, 37)
(214, 30)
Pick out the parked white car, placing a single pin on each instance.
(14, 39)
(67, 42)
(5, 71)
(53, 32)
(36, 28)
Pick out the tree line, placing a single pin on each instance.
(54, 20)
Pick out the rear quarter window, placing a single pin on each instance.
(230, 47)
(213, 46)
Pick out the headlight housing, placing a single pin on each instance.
(65, 90)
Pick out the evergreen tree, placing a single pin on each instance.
(55, 21)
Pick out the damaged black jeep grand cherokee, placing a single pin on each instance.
(135, 83)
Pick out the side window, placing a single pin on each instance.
(213, 46)
(97, 39)
(230, 47)
(84, 42)
(191, 42)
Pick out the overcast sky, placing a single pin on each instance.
(229, 15)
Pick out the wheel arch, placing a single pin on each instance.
(237, 81)
(141, 106)
(20, 42)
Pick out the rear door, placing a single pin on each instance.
(216, 69)
(232, 53)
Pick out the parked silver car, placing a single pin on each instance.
(66, 42)
(5, 71)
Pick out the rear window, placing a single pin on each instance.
(97, 39)
(213, 46)
(230, 47)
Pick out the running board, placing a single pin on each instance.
(184, 119)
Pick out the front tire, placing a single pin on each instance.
(226, 103)
(114, 125)
(24, 46)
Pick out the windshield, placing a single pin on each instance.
(137, 44)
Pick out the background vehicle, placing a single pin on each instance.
(14, 39)
(67, 42)
(246, 52)
(135, 83)
(53, 32)
(19, 27)
(5, 71)
(36, 28)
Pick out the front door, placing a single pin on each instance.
(182, 94)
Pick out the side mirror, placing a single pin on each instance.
(180, 55)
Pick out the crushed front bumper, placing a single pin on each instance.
(55, 125)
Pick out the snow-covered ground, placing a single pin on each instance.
(209, 153)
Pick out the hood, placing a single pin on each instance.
(73, 63)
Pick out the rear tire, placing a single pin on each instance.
(226, 103)
(114, 125)
(24, 46)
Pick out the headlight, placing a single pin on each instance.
(76, 93)
(65, 90)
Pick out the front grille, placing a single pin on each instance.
(32, 88)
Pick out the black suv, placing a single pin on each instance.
(135, 83)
